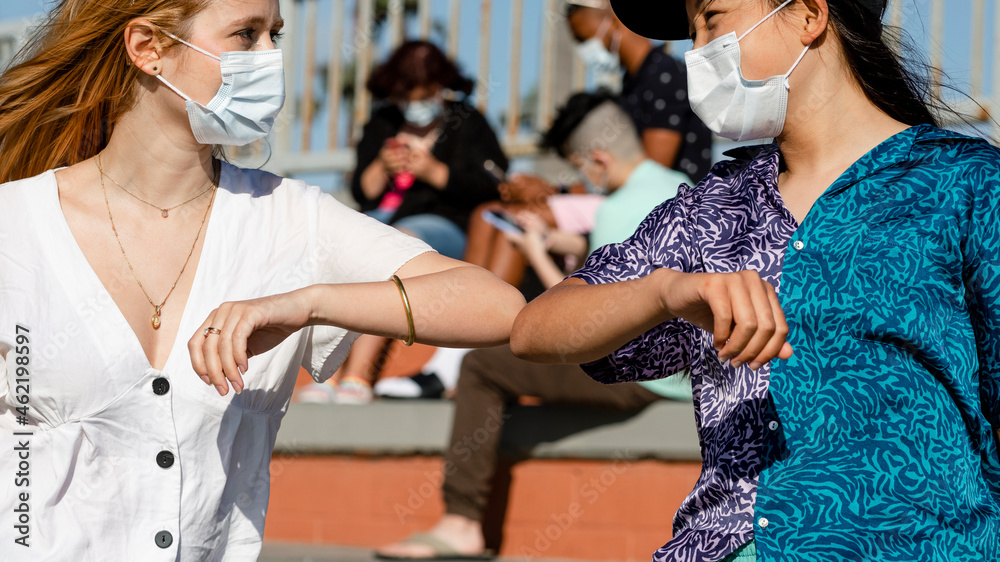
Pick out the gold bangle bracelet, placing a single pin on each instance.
(409, 313)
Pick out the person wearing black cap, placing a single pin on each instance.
(856, 417)
(654, 87)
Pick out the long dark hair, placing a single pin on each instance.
(890, 81)
(415, 64)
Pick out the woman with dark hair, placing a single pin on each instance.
(425, 161)
(876, 439)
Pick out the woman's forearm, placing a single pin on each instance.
(545, 268)
(453, 304)
(374, 180)
(577, 323)
(567, 243)
(462, 307)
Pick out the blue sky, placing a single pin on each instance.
(956, 51)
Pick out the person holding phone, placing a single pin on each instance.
(423, 158)
(616, 166)
(653, 86)
(421, 168)
(834, 295)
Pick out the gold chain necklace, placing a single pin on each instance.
(155, 320)
(164, 211)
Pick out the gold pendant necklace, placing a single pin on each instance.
(155, 320)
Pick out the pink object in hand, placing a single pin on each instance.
(404, 180)
(391, 201)
(394, 198)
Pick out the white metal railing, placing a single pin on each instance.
(13, 34)
(331, 46)
(353, 49)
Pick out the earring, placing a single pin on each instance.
(155, 69)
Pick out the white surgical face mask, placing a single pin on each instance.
(251, 96)
(422, 112)
(730, 105)
(595, 55)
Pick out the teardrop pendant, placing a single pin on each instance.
(156, 319)
(164, 213)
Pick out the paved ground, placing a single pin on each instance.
(284, 552)
(281, 552)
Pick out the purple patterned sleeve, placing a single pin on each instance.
(662, 240)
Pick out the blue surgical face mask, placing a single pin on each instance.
(422, 112)
(251, 96)
(595, 55)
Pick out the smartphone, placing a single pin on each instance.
(502, 221)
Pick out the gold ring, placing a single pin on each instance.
(211, 330)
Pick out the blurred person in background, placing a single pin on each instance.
(493, 378)
(424, 158)
(424, 161)
(654, 87)
(654, 95)
(596, 137)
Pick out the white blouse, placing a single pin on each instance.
(116, 460)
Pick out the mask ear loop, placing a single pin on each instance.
(199, 49)
(203, 51)
(797, 61)
(603, 28)
(172, 87)
(616, 44)
(767, 17)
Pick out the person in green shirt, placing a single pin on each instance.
(597, 137)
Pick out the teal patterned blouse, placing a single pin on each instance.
(889, 405)
(876, 440)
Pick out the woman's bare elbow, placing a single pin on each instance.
(519, 340)
(509, 309)
(524, 339)
(536, 330)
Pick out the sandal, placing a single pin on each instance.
(441, 550)
(317, 393)
(353, 390)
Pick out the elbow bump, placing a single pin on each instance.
(519, 343)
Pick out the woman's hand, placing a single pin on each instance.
(529, 243)
(393, 156)
(246, 328)
(427, 168)
(532, 222)
(525, 188)
(533, 242)
(740, 309)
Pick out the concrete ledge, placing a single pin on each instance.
(664, 430)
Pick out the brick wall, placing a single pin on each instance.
(599, 510)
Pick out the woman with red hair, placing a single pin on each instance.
(121, 235)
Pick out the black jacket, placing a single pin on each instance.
(465, 144)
